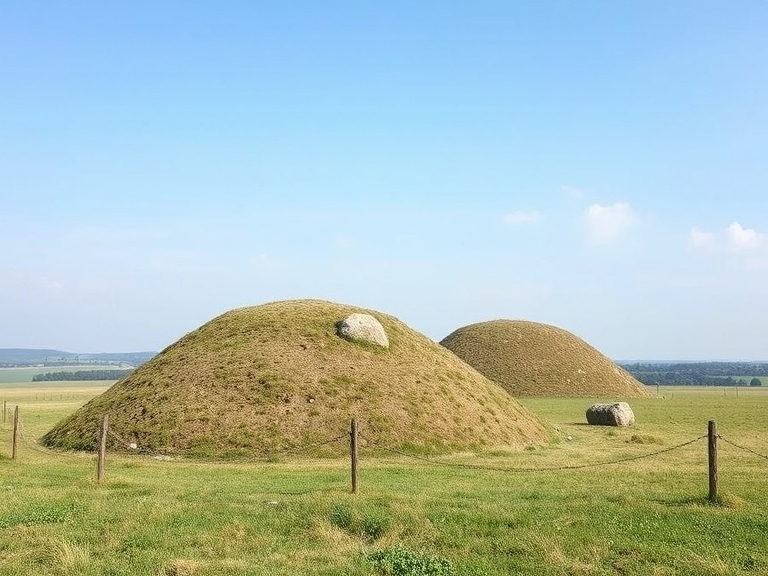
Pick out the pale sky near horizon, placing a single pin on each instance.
(601, 166)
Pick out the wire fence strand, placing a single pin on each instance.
(743, 448)
(530, 469)
(34, 445)
(132, 446)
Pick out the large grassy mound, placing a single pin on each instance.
(265, 379)
(533, 359)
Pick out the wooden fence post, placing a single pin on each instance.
(353, 453)
(102, 450)
(712, 444)
(15, 432)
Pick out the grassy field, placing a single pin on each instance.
(25, 374)
(15, 375)
(466, 514)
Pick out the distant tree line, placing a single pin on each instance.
(81, 375)
(699, 373)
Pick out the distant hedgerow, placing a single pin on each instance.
(80, 375)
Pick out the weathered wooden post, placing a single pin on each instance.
(15, 432)
(353, 453)
(712, 443)
(102, 450)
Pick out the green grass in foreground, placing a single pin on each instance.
(296, 516)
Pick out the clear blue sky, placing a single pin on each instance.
(599, 166)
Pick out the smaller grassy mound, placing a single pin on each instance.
(266, 379)
(533, 359)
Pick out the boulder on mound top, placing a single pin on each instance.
(533, 359)
(277, 378)
(616, 414)
(363, 327)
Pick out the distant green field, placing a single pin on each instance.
(11, 375)
(51, 395)
(638, 509)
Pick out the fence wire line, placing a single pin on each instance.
(128, 445)
(743, 448)
(32, 443)
(292, 449)
(314, 444)
(35, 445)
(547, 469)
(21, 430)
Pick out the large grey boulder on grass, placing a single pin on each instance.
(363, 327)
(616, 414)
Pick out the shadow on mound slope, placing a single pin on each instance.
(533, 359)
(263, 379)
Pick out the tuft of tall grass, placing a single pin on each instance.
(68, 555)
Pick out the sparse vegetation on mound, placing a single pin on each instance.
(533, 359)
(264, 379)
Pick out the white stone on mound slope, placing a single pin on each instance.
(363, 327)
(616, 414)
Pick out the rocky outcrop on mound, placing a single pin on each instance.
(363, 327)
(616, 414)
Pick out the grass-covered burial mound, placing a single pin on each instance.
(533, 359)
(265, 379)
